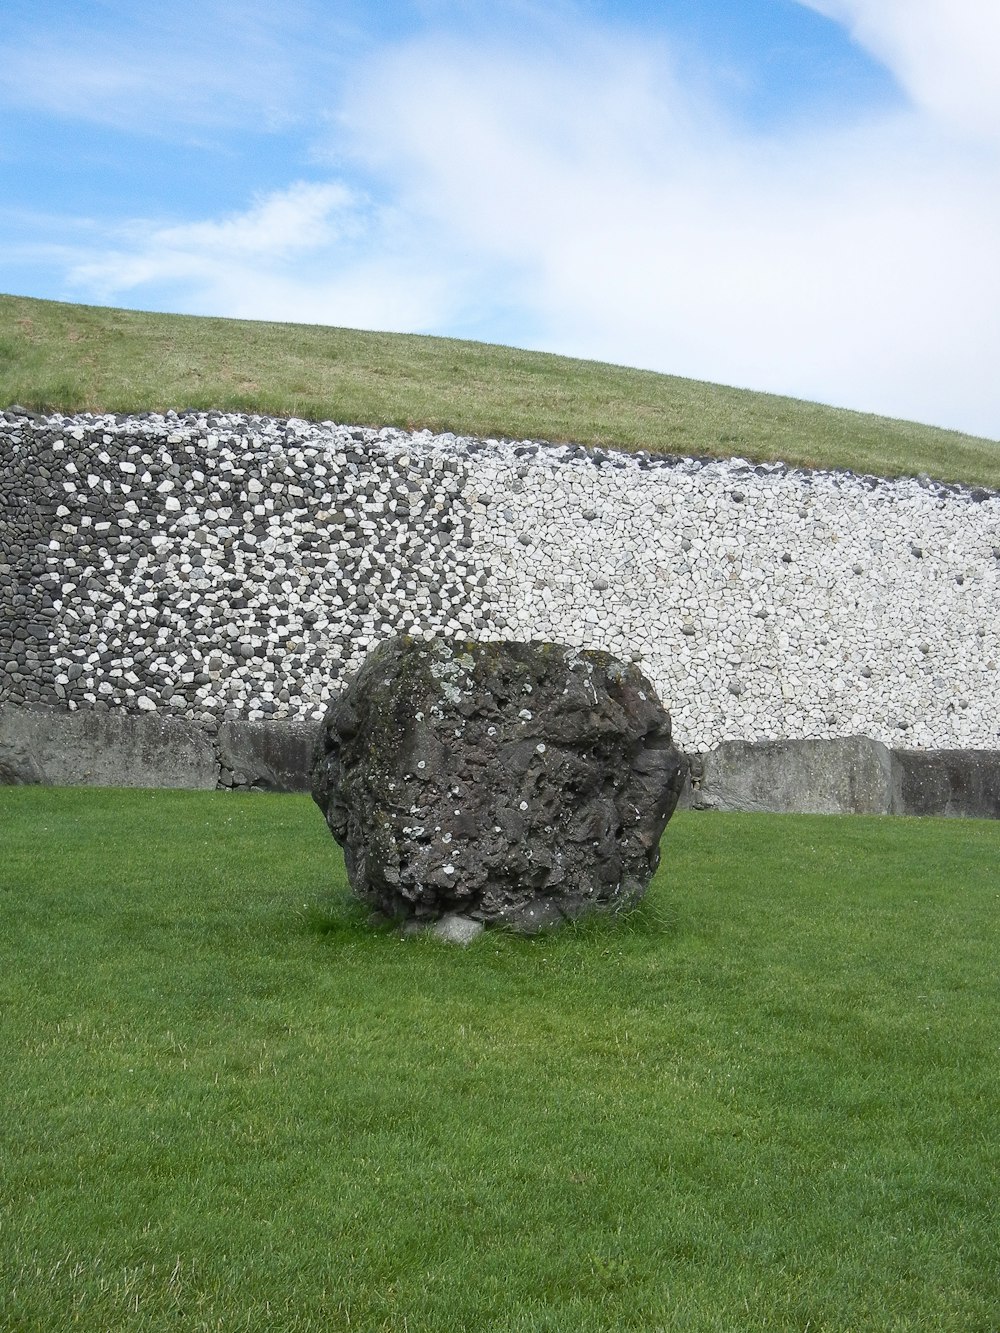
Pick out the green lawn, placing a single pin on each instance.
(770, 1099)
(74, 357)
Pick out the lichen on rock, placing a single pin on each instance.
(511, 783)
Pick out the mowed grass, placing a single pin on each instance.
(768, 1099)
(55, 356)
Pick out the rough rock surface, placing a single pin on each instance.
(514, 783)
(18, 768)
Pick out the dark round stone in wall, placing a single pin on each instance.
(521, 784)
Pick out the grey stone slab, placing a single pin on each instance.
(845, 776)
(108, 749)
(963, 784)
(18, 768)
(271, 756)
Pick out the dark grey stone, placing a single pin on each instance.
(274, 756)
(514, 783)
(961, 784)
(17, 767)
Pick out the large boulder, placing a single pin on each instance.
(514, 783)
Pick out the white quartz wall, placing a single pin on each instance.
(762, 602)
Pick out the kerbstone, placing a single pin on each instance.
(953, 783)
(825, 777)
(106, 749)
(270, 756)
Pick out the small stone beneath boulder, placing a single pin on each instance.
(457, 929)
(521, 784)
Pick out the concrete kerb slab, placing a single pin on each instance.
(48, 746)
(855, 775)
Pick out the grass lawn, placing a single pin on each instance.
(76, 357)
(770, 1099)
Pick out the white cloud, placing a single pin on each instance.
(303, 217)
(857, 267)
(587, 192)
(304, 253)
(945, 53)
(300, 219)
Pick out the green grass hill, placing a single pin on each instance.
(55, 356)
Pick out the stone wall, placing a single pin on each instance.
(215, 568)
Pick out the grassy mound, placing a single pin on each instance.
(769, 1099)
(88, 358)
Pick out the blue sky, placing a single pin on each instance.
(801, 196)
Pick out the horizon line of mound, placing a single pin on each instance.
(496, 783)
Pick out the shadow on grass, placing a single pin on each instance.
(335, 916)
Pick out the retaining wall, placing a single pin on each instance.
(215, 568)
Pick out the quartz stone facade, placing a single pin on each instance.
(213, 566)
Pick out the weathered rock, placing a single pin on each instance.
(18, 768)
(514, 783)
(847, 776)
(954, 783)
(107, 749)
(271, 756)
